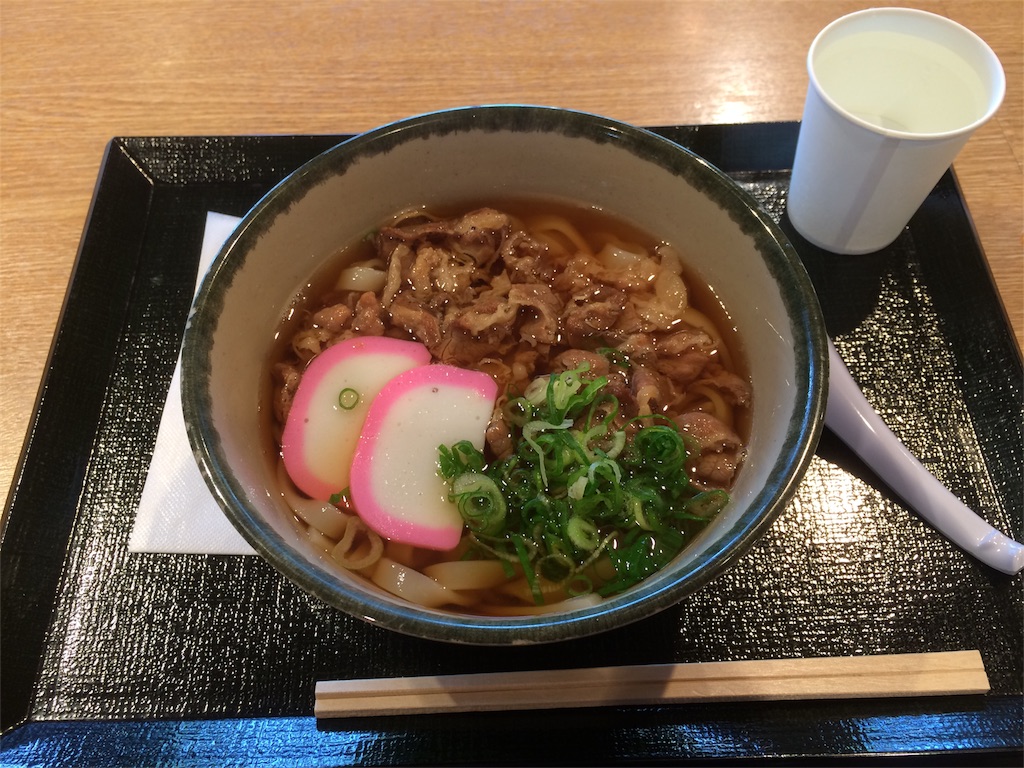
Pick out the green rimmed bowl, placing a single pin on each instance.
(471, 156)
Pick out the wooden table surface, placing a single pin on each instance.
(74, 75)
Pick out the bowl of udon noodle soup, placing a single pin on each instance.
(504, 374)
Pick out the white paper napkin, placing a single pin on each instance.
(177, 512)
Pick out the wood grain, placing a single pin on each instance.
(74, 75)
(842, 677)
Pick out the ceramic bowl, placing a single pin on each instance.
(481, 154)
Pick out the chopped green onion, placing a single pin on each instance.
(556, 567)
(534, 428)
(528, 571)
(580, 487)
(641, 556)
(616, 357)
(707, 503)
(662, 448)
(460, 458)
(536, 391)
(480, 503)
(578, 584)
(577, 488)
(496, 548)
(518, 411)
(582, 533)
(348, 399)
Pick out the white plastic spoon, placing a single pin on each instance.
(849, 415)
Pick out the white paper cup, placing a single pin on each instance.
(894, 94)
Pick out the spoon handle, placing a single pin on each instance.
(849, 415)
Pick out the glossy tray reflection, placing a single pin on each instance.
(111, 657)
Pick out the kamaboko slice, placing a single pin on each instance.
(331, 404)
(396, 486)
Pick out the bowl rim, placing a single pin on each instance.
(641, 601)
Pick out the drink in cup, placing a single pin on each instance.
(894, 94)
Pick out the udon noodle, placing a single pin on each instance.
(528, 294)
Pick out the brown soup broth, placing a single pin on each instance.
(320, 292)
(593, 224)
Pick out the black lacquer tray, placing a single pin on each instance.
(112, 658)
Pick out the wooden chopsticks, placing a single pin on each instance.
(914, 674)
